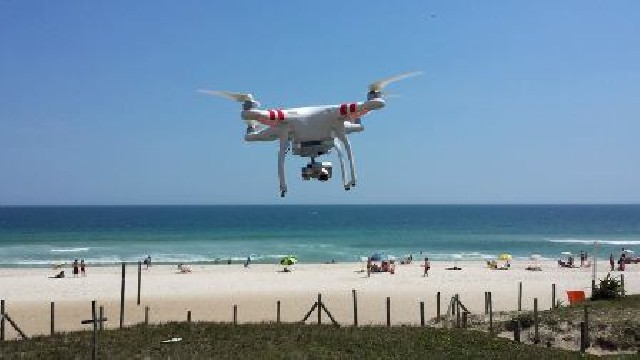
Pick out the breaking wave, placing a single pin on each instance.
(591, 241)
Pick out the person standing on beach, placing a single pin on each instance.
(83, 268)
(427, 266)
(75, 268)
(611, 261)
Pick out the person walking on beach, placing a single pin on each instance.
(612, 262)
(75, 268)
(427, 266)
(581, 258)
(83, 269)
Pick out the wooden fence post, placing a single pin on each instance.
(457, 307)
(536, 334)
(355, 307)
(583, 343)
(520, 296)
(94, 352)
(189, 316)
(139, 280)
(486, 302)
(422, 313)
(146, 315)
(553, 296)
(122, 297)
(622, 284)
(319, 309)
(490, 313)
(235, 314)
(2, 320)
(278, 312)
(101, 316)
(388, 311)
(53, 318)
(586, 327)
(438, 307)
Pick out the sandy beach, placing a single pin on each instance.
(211, 291)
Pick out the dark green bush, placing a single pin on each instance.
(610, 288)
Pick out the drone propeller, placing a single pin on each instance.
(376, 87)
(239, 97)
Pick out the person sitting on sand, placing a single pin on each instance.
(184, 269)
(60, 275)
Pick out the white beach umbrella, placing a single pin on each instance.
(535, 258)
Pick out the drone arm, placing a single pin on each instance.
(373, 104)
(284, 142)
(336, 145)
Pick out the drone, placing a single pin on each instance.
(311, 131)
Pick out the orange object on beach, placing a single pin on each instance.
(575, 296)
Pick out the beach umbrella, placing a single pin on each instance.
(288, 260)
(628, 251)
(535, 258)
(504, 257)
(568, 253)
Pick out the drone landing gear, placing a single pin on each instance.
(282, 193)
(350, 185)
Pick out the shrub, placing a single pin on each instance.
(609, 288)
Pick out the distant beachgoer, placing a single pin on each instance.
(60, 275)
(83, 269)
(75, 268)
(148, 261)
(611, 262)
(248, 262)
(427, 266)
(581, 258)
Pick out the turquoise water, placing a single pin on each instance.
(38, 236)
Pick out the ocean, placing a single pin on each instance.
(40, 236)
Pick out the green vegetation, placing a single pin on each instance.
(286, 341)
(609, 288)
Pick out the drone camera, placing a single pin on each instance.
(317, 170)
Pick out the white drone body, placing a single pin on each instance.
(311, 131)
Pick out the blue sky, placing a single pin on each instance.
(520, 102)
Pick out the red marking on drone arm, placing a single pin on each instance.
(272, 115)
(343, 109)
(280, 115)
(352, 107)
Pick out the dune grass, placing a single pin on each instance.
(278, 341)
